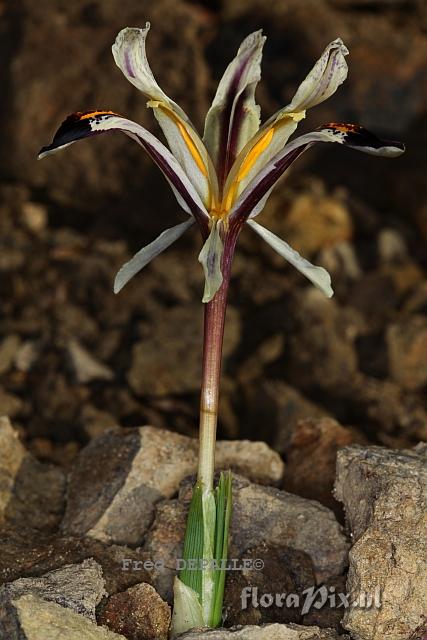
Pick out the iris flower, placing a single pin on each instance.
(224, 179)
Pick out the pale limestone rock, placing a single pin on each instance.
(385, 497)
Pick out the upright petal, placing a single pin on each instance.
(210, 258)
(350, 135)
(323, 80)
(130, 55)
(234, 115)
(147, 253)
(317, 275)
(90, 123)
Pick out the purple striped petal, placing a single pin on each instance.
(91, 123)
(234, 116)
(350, 135)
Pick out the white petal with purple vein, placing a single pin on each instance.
(147, 253)
(317, 275)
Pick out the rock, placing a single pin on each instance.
(31, 493)
(164, 541)
(392, 246)
(267, 515)
(384, 493)
(266, 632)
(407, 351)
(8, 349)
(29, 553)
(138, 613)
(321, 350)
(86, 368)
(32, 618)
(151, 376)
(327, 218)
(10, 405)
(75, 586)
(390, 410)
(275, 569)
(27, 355)
(311, 458)
(35, 216)
(119, 477)
(95, 421)
(262, 514)
(277, 407)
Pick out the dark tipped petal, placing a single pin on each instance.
(357, 137)
(85, 124)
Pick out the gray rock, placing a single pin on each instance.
(385, 497)
(31, 494)
(76, 586)
(119, 477)
(86, 368)
(33, 618)
(266, 632)
(263, 514)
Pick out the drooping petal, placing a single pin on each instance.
(210, 258)
(350, 135)
(234, 115)
(130, 55)
(90, 123)
(147, 253)
(325, 77)
(317, 275)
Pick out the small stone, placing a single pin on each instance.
(392, 246)
(407, 350)
(266, 632)
(26, 355)
(10, 405)
(164, 542)
(8, 349)
(32, 618)
(384, 493)
(75, 586)
(86, 367)
(178, 370)
(275, 571)
(35, 216)
(138, 613)
(327, 218)
(31, 493)
(95, 421)
(120, 476)
(311, 458)
(277, 407)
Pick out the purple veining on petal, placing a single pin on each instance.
(224, 162)
(128, 65)
(170, 174)
(261, 187)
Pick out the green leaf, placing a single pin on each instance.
(223, 518)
